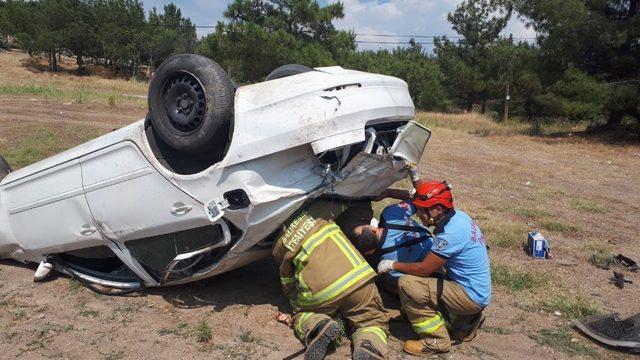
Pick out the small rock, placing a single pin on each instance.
(609, 162)
(528, 183)
(573, 340)
(67, 103)
(557, 313)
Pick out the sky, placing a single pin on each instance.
(388, 17)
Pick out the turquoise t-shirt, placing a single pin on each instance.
(459, 240)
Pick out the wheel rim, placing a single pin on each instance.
(184, 102)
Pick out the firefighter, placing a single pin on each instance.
(428, 302)
(325, 277)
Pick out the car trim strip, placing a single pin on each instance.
(75, 192)
(119, 179)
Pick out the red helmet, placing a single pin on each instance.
(433, 192)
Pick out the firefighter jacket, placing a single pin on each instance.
(318, 265)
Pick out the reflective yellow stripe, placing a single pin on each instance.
(428, 326)
(353, 260)
(312, 243)
(302, 288)
(348, 249)
(360, 268)
(305, 251)
(307, 248)
(376, 330)
(338, 286)
(304, 317)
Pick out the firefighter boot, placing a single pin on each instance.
(366, 351)
(421, 348)
(319, 339)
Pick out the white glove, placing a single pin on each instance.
(385, 266)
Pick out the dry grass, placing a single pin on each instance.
(484, 125)
(509, 181)
(19, 72)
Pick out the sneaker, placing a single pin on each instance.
(320, 338)
(43, 270)
(420, 348)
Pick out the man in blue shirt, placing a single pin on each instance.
(460, 248)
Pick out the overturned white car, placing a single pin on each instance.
(196, 189)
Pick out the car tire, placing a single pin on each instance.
(287, 70)
(5, 169)
(191, 104)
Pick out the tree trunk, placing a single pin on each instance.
(484, 106)
(633, 8)
(54, 65)
(469, 106)
(505, 109)
(615, 119)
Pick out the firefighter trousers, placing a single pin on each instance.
(420, 302)
(363, 312)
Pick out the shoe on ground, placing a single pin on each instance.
(43, 271)
(420, 348)
(470, 331)
(320, 338)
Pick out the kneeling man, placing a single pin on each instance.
(460, 248)
(325, 277)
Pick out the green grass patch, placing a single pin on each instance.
(601, 255)
(115, 355)
(571, 306)
(248, 337)
(550, 193)
(84, 311)
(497, 330)
(202, 331)
(517, 280)
(558, 226)
(79, 95)
(560, 339)
(37, 142)
(506, 235)
(587, 206)
(75, 285)
(179, 330)
(530, 213)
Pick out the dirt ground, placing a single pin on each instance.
(581, 192)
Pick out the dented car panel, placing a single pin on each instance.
(109, 211)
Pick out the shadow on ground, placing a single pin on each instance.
(254, 284)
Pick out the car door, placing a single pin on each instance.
(167, 235)
(48, 211)
(130, 200)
